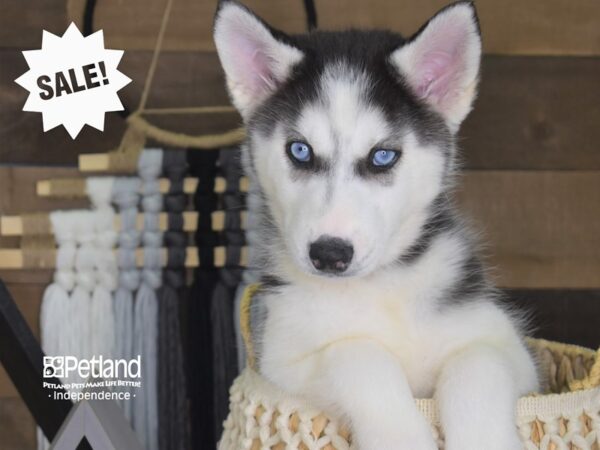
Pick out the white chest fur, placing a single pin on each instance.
(303, 323)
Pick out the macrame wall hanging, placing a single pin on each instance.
(128, 323)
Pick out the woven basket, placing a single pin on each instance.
(567, 417)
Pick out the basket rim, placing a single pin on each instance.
(571, 349)
(261, 391)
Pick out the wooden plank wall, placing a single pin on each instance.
(531, 146)
(538, 27)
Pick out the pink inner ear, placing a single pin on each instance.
(435, 74)
(442, 59)
(253, 65)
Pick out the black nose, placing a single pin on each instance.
(331, 254)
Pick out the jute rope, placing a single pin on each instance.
(69, 187)
(192, 110)
(35, 251)
(206, 141)
(75, 10)
(155, 55)
(125, 157)
(37, 243)
(36, 224)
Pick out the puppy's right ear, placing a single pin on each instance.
(255, 61)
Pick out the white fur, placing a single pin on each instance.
(379, 221)
(362, 346)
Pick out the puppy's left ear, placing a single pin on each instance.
(441, 62)
(256, 59)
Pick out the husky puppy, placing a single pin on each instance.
(373, 293)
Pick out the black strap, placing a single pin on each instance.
(88, 17)
(311, 15)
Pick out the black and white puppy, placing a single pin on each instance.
(374, 294)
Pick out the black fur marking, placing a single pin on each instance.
(365, 52)
(473, 284)
(270, 282)
(473, 281)
(442, 219)
(319, 165)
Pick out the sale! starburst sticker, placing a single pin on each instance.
(73, 80)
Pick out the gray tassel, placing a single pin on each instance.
(145, 404)
(126, 198)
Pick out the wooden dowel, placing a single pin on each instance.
(43, 188)
(55, 188)
(11, 226)
(40, 223)
(94, 162)
(11, 259)
(18, 259)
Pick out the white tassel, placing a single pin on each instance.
(81, 324)
(103, 343)
(99, 191)
(81, 299)
(55, 302)
(102, 336)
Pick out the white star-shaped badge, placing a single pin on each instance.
(73, 80)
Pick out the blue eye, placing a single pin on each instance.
(300, 152)
(383, 157)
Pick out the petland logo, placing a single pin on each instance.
(97, 367)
